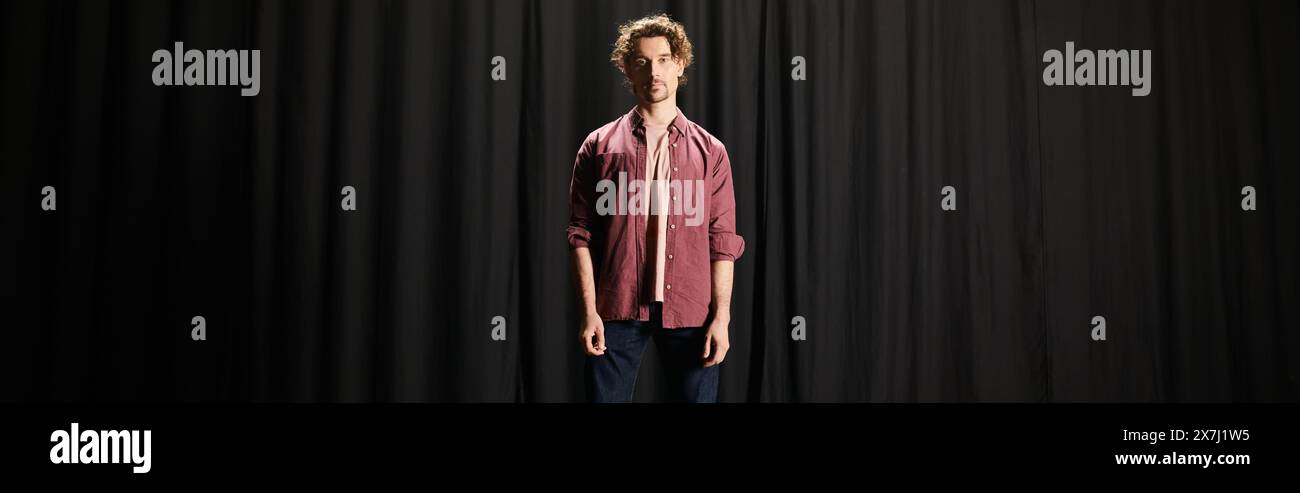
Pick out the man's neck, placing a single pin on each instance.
(658, 114)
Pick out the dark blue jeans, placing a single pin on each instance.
(611, 377)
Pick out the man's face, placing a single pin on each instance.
(653, 70)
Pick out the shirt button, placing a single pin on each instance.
(674, 197)
(670, 256)
(674, 168)
(672, 226)
(674, 145)
(669, 286)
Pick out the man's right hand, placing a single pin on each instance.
(593, 335)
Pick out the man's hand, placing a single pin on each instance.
(590, 327)
(593, 328)
(716, 342)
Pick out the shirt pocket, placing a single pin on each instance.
(613, 163)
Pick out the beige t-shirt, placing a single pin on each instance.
(657, 169)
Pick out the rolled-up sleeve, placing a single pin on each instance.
(724, 243)
(581, 190)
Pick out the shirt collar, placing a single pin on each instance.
(638, 123)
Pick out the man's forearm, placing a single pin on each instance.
(722, 274)
(586, 280)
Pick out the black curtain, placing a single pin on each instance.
(1072, 202)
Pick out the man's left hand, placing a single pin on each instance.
(716, 342)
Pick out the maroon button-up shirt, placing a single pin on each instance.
(604, 216)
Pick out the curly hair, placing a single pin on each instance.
(648, 27)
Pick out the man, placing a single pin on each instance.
(652, 229)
